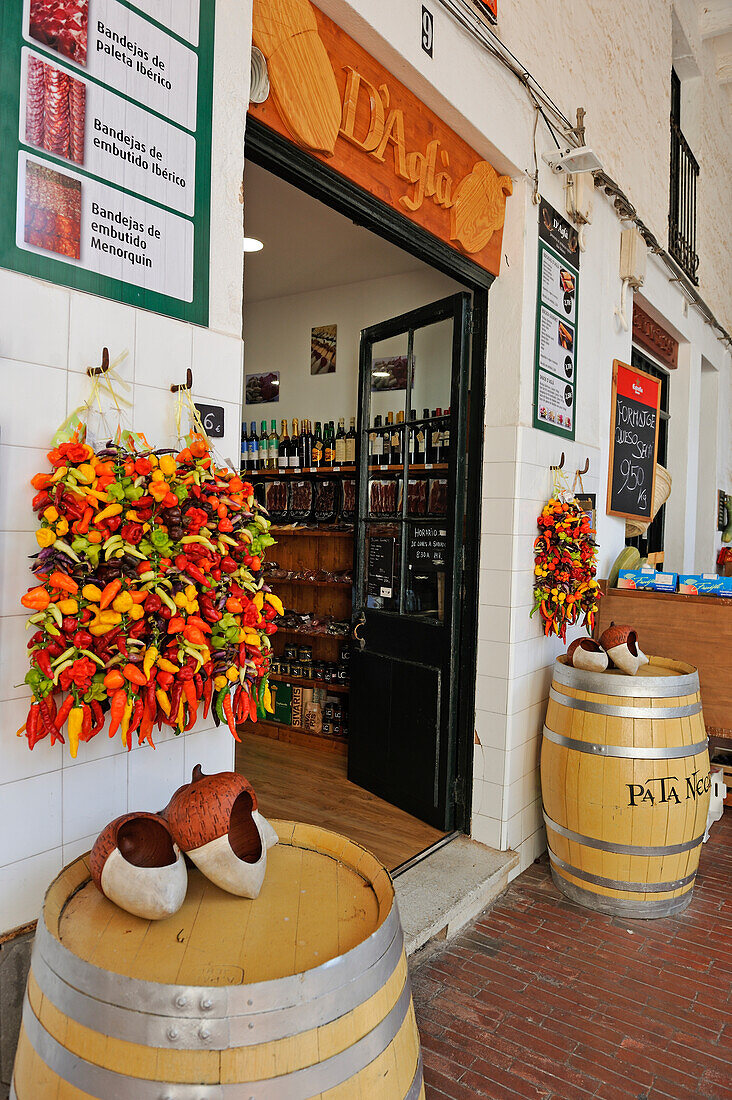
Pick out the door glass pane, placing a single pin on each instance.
(427, 564)
(388, 398)
(383, 564)
(431, 393)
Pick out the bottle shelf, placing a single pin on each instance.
(417, 467)
(295, 735)
(312, 532)
(277, 581)
(285, 632)
(337, 689)
(305, 471)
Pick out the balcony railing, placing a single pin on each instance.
(682, 207)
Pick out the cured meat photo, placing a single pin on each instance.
(55, 115)
(52, 211)
(62, 25)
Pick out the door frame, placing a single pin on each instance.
(274, 153)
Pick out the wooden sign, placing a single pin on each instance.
(332, 98)
(636, 397)
(650, 335)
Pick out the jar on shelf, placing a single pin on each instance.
(290, 651)
(305, 653)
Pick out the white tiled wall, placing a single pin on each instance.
(514, 658)
(51, 808)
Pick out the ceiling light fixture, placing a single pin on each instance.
(251, 244)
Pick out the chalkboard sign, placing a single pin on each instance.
(636, 398)
(212, 418)
(428, 548)
(381, 567)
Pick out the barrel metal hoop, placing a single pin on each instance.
(625, 752)
(106, 1084)
(623, 849)
(620, 884)
(201, 1032)
(417, 1081)
(638, 687)
(222, 1001)
(629, 908)
(624, 712)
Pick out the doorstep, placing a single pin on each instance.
(449, 888)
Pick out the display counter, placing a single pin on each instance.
(696, 629)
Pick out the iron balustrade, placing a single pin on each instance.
(682, 207)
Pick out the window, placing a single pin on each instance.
(652, 541)
(682, 191)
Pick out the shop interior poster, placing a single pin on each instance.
(105, 124)
(555, 366)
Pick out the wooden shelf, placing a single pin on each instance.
(285, 632)
(414, 468)
(312, 584)
(312, 532)
(306, 471)
(280, 731)
(337, 689)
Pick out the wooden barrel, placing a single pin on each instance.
(625, 784)
(301, 993)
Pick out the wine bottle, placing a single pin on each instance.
(263, 447)
(244, 446)
(283, 455)
(397, 437)
(272, 447)
(434, 438)
(387, 460)
(253, 461)
(317, 459)
(305, 444)
(445, 447)
(377, 446)
(329, 445)
(351, 443)
(340, 443)
(294, 463)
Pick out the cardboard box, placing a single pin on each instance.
(297, 707)
(647, 580)
(705, 584)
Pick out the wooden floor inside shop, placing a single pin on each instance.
(298, 784)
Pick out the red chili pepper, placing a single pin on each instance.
(86, 724)
(41, 501)
(194, 635)
(51, 719)
(194, 620)
(175, 698)
(63, 713)
(191, 720)
(165, 679)
(137, 629)
(146, 728)
(207, 693)
(195, 574)
(98, 714)
(137, 713)
(229, 714)
(237, 705)
(176, 624)
(153, 603)
(122, 645)
(119, 702)
(33, 729)
(189, 690)
(43, 661)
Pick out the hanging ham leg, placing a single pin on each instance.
(77, 101)
(57, 133)
(34, 102)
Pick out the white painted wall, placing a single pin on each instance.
(277, 337)
(51, 807)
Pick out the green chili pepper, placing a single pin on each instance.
(219, 702)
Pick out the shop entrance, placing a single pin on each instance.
(376, 742)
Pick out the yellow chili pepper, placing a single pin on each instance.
(125, 723)
(167, 666)
(136, 611)
(50, 514)
(97, 629)
(232, 673)
(168, 465)
(123, 602)
(76, 717)
(62, 527)
(219, 682)
(68, 607)
(85, 473)
(267, 700)
(276, 603)
(157, 475)
(111, 510)
(164, 701)
(181, 716)
(45, 537)
(191, 591)
(180, 599)
(91, 592)
(258, 600)
(151, 656)
(61, 472)
(107, 618)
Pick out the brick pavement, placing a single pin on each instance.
(541, 999)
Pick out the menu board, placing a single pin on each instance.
(428, 548)
(105, 124)
(381, 566)
(555, 368)
(636, 398)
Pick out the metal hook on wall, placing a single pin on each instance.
(91, 371)
(585, 468)
(187, 385)
(561, 464)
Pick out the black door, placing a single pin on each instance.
(409, 538)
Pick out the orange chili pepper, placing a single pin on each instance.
(134, 674)
(64, 583)
(194, 634)
(110, 591)
(176, 624)
(114, 680)
(37, 599)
